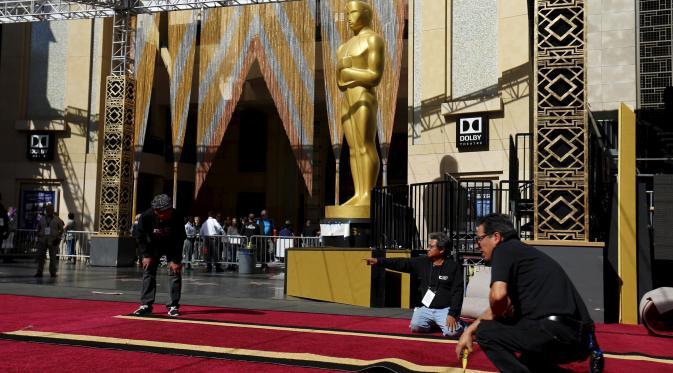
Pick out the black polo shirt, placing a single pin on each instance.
(537, 285)
(446, 280)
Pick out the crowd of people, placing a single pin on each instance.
(217, 239)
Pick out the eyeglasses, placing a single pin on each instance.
(479, 238)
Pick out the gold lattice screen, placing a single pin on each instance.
(116, 177)
(561, 140)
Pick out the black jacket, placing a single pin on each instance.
(156, 238)
(447, 282)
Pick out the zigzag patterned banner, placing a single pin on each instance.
(147, 42)
(181, 48)
(282, 38)
(388, 21)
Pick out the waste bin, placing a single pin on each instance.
(246, 260)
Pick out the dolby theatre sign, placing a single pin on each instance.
(472, 133)
(40, 146)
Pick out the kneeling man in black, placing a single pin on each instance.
(535, 310)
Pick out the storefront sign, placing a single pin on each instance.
(472, 133)
(40, 146)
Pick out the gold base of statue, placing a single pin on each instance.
(341, 211)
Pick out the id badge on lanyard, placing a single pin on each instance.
(47, 231)
(428, 297)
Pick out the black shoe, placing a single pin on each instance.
(219, 270)
(143, 310)
(173, 311)
(52, 275)
(38, 275)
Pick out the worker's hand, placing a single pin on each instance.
(146, 263)
(175, 267)
(465, 342)
(371, 261)
(452, 323)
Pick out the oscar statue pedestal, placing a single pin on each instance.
(345, 232)
(347, 212)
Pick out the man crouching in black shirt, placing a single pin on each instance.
(535, 311)
(441, 286)
(160, 232)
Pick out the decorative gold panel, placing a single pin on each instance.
(561, 139)
(116, 172)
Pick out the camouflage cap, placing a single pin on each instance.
(161, 202)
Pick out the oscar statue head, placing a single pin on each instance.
(358, 14)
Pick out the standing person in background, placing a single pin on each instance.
(234, 241)
(287, 229)
(266, 229)
(308, 232)
(8, 242)
(134, 234)
(209, 230)
(250, 228)
(188, 247)
(70, 226)
(49, 233)
(160, 232)
(4, 221)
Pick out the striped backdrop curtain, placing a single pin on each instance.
(146, 46)
(281, 37)
(181, 48)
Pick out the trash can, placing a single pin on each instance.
(246, 260)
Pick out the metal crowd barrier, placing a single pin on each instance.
(24, 243)
(76, 245)
(471, 265)
(272, 248)
(225, 248)
(20, 243)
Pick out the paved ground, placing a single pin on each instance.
(263, 290)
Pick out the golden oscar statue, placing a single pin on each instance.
(360, 63)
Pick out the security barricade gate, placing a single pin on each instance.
(272, 248)
(227, 250)
(20, 243)
(75, 245)
(223, 248)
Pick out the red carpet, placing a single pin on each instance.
(88, 336)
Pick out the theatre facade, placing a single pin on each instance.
(236, 109)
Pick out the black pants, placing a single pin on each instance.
(213, 254)
(149, 290)
(44, 246)
(543, 345)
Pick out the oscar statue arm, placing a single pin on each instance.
(369, 77)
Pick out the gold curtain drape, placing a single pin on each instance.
(147, 41)
(181, 47)
(281, 37)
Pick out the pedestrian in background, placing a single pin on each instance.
(210, 229)
(70, 226)
(188, 248)
(49, 233)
